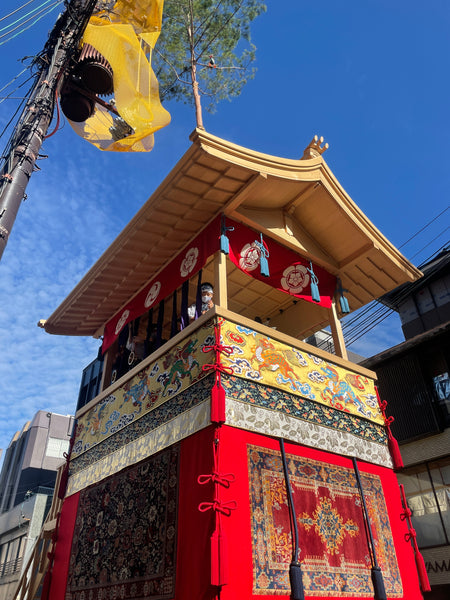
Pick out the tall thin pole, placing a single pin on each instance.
(29, 134)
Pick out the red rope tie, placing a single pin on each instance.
(223, 508)
(392, 442)
(218, 347)
(406, 514)
(218, 367)
(224, 479)
(411, 535)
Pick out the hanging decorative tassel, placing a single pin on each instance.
(393, 446)
(314, 284)
(392, 442)
(345, 308)
(224, 241)
(218, 399)
(263, 255)
(422, 572)
(411, 536)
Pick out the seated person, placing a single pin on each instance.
(207, 301)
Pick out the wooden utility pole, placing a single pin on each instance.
(25, 143)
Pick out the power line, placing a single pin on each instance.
(377, 313)
(434, 239)
(9, 96)
(46, 11)
(424, 227)
(25, 15)
(16, 10)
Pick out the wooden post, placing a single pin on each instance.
(336, 332)
(220, 277)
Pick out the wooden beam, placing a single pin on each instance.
(300, 198)
(244, 193)
(220, 277)
(273, 223)
(336, 332)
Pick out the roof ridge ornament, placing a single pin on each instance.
(315, 148)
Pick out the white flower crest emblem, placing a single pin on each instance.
(295, 279)
(250, 255)
(152, 294)
(189, 262)
(121, 321)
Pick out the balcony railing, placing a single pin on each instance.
(10, 567)
(267, 377)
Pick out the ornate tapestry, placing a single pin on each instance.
(334, 550)
(259, 358)
(171, 422)
(124, 542)
(271, 411)
(159, 381)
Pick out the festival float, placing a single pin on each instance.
(224, 456)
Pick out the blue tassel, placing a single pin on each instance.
(315, 295)
(224, 241)
(345, 308)
(224, 244)
(263, 254)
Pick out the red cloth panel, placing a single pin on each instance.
(237, 526)
(288, 272)
(60, 568)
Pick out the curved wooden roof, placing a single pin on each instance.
(299, 203)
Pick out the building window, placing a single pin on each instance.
(56, 447)
(427, 489)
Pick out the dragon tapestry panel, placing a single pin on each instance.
(265, 360)
(171, 374)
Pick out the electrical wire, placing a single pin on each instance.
(433, 240)
(374, 313)
(14, 79)
(16, 10)
(45, 13)
(9, 96)
(24, 16)
(424, 227)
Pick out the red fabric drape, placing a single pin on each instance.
(64, 535)
(184, 266)
(288, 272)
(195, 528)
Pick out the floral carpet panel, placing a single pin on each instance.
(333, 544)
(124, 542)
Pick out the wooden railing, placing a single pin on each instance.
(30, 582)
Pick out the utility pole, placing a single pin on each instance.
(25, 143)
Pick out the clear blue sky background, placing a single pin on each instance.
(371, 76)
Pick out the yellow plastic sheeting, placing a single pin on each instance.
(143, 15)
(136, 92)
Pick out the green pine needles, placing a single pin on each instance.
(205, 51)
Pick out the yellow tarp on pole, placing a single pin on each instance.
(121, 35)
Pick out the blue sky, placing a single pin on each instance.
(371, 76)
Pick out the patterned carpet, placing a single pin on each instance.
(124, 542)
(334, 552)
